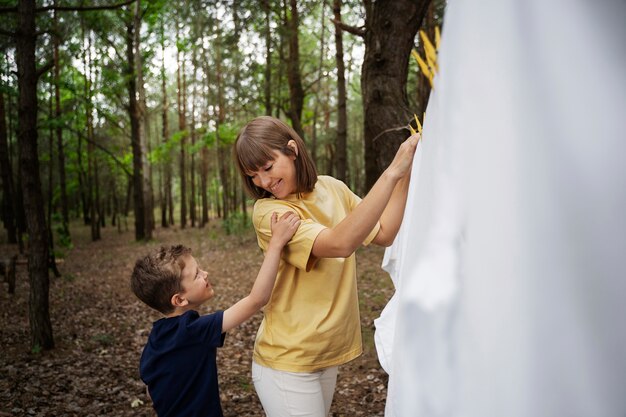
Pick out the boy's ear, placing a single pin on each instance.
(179, 300)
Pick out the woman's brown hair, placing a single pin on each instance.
(254, 147)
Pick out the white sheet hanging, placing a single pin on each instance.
(510, 266)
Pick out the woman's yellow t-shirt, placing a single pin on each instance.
(312, 319)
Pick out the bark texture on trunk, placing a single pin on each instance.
(40, 325)
(391, 26)
(133, 111)
(296, 91)
(342, 116)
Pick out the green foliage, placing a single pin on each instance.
(103, 339)
(227, 133)
(63, 238)
(209, 138)
(127, 159)
(178, 136)
(155, 9)
(183, 45)
(244, 383)
(196, 147)
(69, 277)
(236, 223)
(94, 81)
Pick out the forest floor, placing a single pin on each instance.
(100, 328)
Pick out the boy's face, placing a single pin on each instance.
(196, 286)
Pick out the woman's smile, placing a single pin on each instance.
(275, 186)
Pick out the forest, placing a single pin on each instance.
(117, 119)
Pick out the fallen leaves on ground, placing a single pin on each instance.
(100, 329)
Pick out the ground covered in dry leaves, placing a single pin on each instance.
(100, 328)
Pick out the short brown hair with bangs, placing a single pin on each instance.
(254, 147)
(158, 275)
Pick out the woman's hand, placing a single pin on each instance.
(403, 161)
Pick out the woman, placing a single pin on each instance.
(311, 324)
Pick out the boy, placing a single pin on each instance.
(178, 362)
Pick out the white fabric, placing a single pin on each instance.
(294, 394)
(510, 263)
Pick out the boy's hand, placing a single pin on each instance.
(284, 228)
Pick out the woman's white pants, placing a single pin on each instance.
(291, 394)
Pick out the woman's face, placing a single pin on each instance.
(277, 176)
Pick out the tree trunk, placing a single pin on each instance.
(143, 129)
(82, 182)
(203, 186)
(278, 98)
(192, 167)
(41, 328)
(320, 73)
(65, 216)
(166, 163)
(268, 58)
(391, 26)
(180, 73)
(52, 261)
(135, 138)
(296, 92)
(342, 117)
(114, 202)
(221, 117)
(239, 195)
(92, 180)
(18, 200)
(8, 194)
(204, 170)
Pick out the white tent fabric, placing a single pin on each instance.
(510, 266)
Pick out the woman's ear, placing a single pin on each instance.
(294, 147)
(179, 300)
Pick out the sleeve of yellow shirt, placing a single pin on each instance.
(298, 251)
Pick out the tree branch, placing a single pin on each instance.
(44, 32)
(358, 31)
(41, 71)
(6, 9)
(110, 43)
(391, 129)
(83, 8)
(103, 149)
(368, 9)
(7, 33)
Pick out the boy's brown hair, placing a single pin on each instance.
(253, 149)
(157, 277)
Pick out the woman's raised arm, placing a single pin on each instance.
(384, 202)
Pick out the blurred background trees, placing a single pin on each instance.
(118, 113)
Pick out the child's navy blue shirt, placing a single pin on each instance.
(178, 365)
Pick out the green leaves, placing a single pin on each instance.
(227, 133)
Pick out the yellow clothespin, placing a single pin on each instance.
(419, 125)
(431, 52)
(423, 67)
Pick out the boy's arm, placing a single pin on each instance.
(282, 230)
(386, 198)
